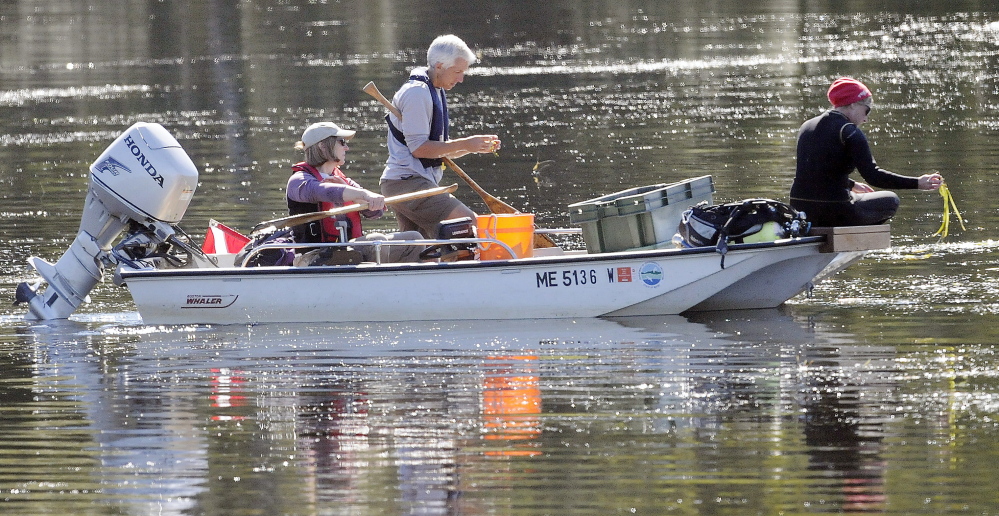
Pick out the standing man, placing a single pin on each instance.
(419, 141)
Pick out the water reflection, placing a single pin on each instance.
(105, 433)
(420, 418)
(841, 391)
(511, 401)
(224, 42)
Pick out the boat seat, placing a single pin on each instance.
(840, 239)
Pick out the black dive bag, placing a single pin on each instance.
(735, 222)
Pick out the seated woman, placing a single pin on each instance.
(317, 184)
(830, 147)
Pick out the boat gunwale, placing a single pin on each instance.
(126, 273)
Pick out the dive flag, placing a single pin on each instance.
(221, 239)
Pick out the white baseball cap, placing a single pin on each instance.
(319, 131)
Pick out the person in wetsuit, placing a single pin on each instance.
(830, 147)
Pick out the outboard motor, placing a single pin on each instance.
(141, 184)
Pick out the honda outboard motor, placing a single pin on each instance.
(142, 184)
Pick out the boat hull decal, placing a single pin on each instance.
(209, 301)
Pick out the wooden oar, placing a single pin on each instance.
(495, 205)
(304, 218)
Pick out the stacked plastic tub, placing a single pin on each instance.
(645, 217)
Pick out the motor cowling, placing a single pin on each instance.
(144, 177)
(148, 172)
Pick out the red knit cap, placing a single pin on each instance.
(845, 91)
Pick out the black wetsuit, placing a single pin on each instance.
(830, 147)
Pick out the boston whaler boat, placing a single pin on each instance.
(142, 184)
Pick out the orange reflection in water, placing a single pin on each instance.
(511, 402)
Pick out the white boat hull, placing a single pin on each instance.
(772, 285)
(636, 283)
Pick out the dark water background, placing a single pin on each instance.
(876, 394)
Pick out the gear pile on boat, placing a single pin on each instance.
(636, 263)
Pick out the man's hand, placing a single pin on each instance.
(482, 143)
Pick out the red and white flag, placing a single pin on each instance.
(221, 239)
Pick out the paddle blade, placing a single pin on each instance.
(543, 241)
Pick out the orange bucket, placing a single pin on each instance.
(513, 229)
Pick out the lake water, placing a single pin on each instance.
(876, 393)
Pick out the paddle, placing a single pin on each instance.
(304, 218)
(495, 205)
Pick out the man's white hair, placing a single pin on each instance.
(447, 49)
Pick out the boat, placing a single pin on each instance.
(141, 186)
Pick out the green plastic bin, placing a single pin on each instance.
(638, 218)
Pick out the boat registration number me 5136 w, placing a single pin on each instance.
(580, 277)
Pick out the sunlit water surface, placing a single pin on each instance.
(876, 392)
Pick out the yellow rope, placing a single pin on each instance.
(948, 204)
